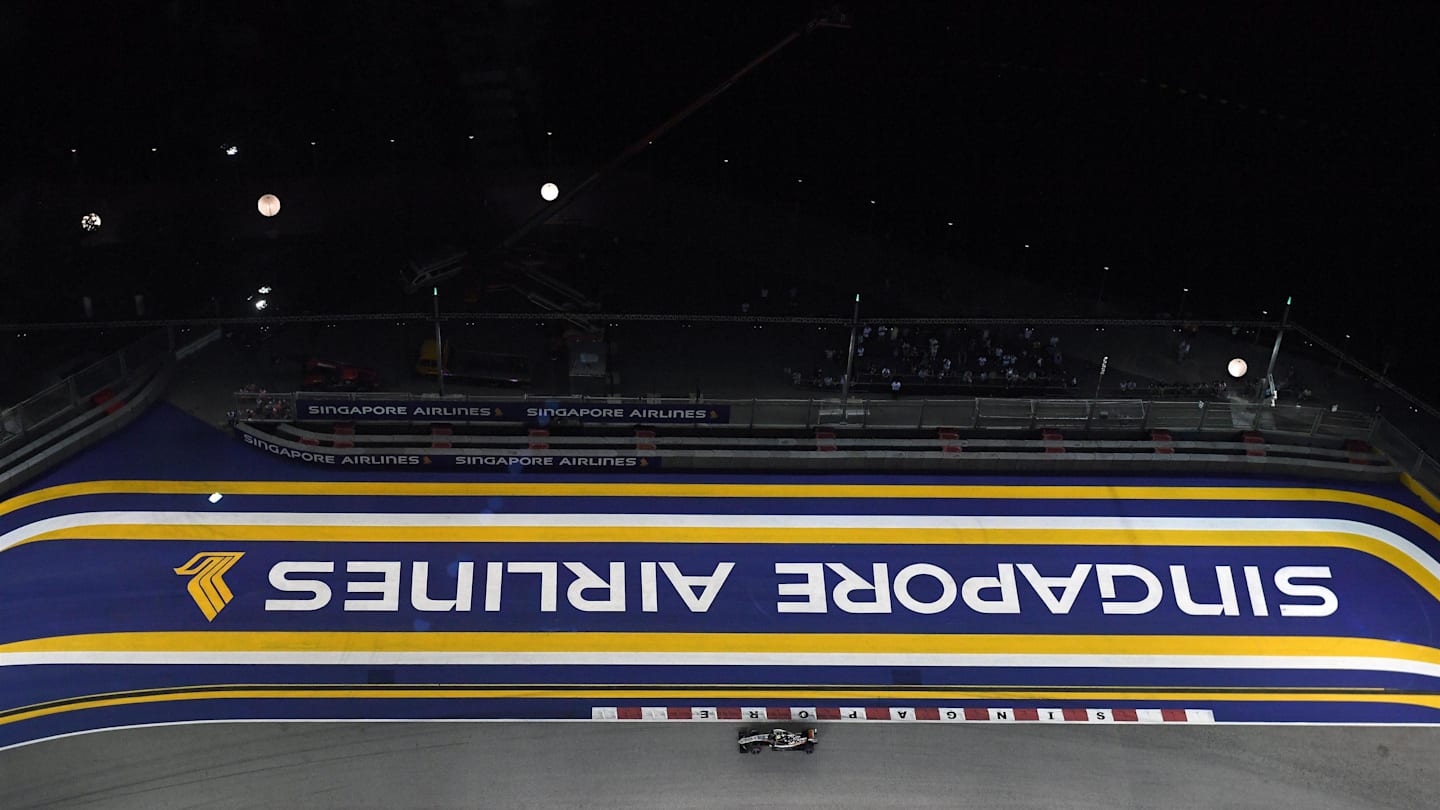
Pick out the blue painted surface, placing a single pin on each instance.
(87, 586)
(38, 684)
(76, 587)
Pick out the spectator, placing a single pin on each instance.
(1036, 362)
(895, 388)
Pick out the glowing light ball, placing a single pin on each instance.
(268, 205)
(90, 221)
(549, 192)
(1238, 367)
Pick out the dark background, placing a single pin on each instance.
(1247, 151)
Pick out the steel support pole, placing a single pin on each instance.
(849, 363)
(439, 349)
(1274, 354)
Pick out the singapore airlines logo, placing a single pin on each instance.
(206, 586)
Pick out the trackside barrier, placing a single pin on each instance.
(1195, 417)
(1406, 455)
(77, 393)
(98, 400)
(44, 451)
(861, 412)
(906, 443)
(828, 453)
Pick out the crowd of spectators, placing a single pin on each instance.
(948, 359)
(256, 404)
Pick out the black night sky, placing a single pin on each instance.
(1247, 150)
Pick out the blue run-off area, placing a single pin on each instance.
(128, 595)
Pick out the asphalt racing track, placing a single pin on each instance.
(642, 765)
(128, 596)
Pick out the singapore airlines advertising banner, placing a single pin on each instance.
(537, 412)
(727, 588)
(440, 460)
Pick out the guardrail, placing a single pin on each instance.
(78, 392)
(973, 414)
(964, 413)
(895, 451)
(1406, 455)
(83, 408)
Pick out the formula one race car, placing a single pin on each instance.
(753, 740)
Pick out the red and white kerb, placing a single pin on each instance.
(902, 714)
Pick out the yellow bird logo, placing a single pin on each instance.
(206, 585)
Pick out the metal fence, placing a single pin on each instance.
(79, 391)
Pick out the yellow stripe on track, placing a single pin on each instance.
(715, 490)
(204, 693)
(1425, 495)
(583, 642)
